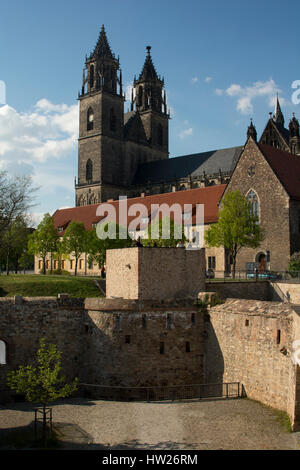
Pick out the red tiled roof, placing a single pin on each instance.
(209, 197)
(286, 167)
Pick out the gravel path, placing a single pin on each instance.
(232, 425)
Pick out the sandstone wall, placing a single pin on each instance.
(251, 342)
(155, 273)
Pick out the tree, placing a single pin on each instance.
(14, 244)
(237, 226)
(44, 239)
(42, 382)
(97, 247)
(75, 241)
(16, 197)
(164, 233)
(294, 264)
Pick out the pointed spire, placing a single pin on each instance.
(102, 48)
(148, 72)
(252, 131)
(278, 117)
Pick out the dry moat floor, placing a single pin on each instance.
(100, 425)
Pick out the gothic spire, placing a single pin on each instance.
(148, 72)
(252, 131)
(278, 117)
(102, 48)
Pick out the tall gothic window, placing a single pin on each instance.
(112, 120)
(90, 119)
(160, 135)
(253, 200)
(140, 96)
(89, 170)
(92, 75)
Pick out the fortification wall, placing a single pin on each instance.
(251, 342)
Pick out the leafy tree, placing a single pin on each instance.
(16, 197)
(75, 241)
(44, 239)
(236, 228)
(97, 247)
(294, 264)
(164, 232)
(42, 382)
(14, 244)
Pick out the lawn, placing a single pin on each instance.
(47, 286)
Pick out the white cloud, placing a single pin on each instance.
(48, 131)
(186, 132)
(208, 79)
(246, 95)
(194, 80)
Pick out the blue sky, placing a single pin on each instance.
(223, 63)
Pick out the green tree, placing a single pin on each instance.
(164, 232)
(294, 264)
(14, 244)
(75, 241)
(42, 381)
(44, 240)
(97, 247)
(237, 226)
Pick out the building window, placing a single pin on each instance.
(193, 318)
(92, 75)
(162, 348)
(2, 352)
(169, 322)
(144, 321)
(90, 119)
(212, 262)
(72, 264)
(63, 264)
(80, 264)
(127, 339)
(112, 120)
(254, 204)
(247, 323)
(140, 101)
(187, 347)
(160, 135)
(89, 170)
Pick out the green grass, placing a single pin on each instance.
(47, 286)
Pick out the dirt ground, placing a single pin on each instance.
(209, 425)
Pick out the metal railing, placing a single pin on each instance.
(213, 275)
(163, 393)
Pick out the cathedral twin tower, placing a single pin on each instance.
(112, 144)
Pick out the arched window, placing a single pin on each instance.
(112, 120)
(140, 96)
(253, 200)
(2, 352)
(92, 75)
(90, 119)
(160, 134)
(89, 170)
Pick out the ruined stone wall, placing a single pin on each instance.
(24, 323)
(143, 343)
(251, 342)
(107, 342)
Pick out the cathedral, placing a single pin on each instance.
(128, 153)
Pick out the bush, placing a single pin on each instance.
(294, 265)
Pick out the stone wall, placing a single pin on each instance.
(251, 342)
(107, 341)
(155, 273)
(260, 290)
(143, 343)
